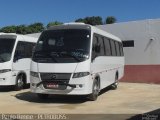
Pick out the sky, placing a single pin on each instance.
(17, 12)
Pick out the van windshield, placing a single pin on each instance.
(6, 47)
(63, 46)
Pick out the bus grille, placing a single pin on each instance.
(57, 78)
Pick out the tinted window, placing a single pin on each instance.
(6, 47)
(113, 48)
(63, 46)
(117, 48)
(121, 49)
(107, 46)
(94, 47)
(24, 49)
(98, 48)
(29, 48)
(101, 45)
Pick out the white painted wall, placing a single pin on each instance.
(145, 51)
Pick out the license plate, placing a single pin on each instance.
(52, 85)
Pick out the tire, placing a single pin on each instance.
(42, 96)
(114, 86)
(19, 83)
(95, 91)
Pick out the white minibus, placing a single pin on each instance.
(76, 59)
(15, 59)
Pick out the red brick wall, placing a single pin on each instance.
(142, 73)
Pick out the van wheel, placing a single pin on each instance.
(95, 91)
(42, 96)
(114, 86)
(19, 83)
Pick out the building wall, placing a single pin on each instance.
(142, 60)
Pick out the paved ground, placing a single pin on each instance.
(129, 98)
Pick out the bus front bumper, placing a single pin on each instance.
(78, 86)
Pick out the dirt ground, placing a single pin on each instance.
(129, 98)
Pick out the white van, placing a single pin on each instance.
(15, 58)
(76, 59)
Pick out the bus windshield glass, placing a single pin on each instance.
(63, 46)
(6, 48)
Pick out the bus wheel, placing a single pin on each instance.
(114, 86)
(95, 91)
(42, 96)
(19, 83)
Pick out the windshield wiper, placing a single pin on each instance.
(45, 54)
(70, 55)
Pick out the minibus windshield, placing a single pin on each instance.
(63, 46)
(6, 47)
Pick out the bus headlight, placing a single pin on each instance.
(34, 74)
(5, 70)
(80, 74)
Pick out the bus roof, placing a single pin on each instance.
(14, 36)
(75, 25)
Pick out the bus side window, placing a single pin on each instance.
(95, 47)
(113, 48)
(101, 45)
(107, 46)
(121, 49)
(117, 48)
(33, 47)
(20, 51)
(23, 50)
(28, 49)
